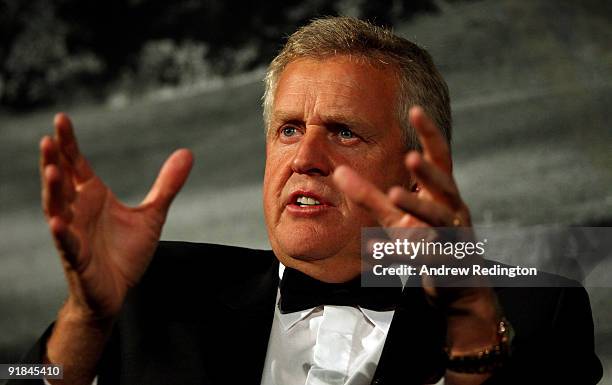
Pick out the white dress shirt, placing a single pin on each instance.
(332, 345)
(325, 345)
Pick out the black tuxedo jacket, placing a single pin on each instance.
(202, 314)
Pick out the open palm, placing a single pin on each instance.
(104, 245)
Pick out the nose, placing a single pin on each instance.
(312, 155)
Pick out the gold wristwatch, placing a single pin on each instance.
(488, 359)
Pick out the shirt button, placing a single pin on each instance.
(377, 381)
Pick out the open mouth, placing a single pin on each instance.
(305, 201)
(307, 204)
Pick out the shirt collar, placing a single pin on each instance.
(380, 319)
(287, 320)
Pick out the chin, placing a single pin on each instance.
(308, 249)
(306, 243)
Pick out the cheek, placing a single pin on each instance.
(269, 192)
(276, 174)
(390, 170)
(360, 217)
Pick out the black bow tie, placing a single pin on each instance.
(299, 291)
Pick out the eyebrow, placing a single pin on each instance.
(330, 118)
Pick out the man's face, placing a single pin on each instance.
(327, 113)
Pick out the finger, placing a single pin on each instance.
(54, 198)
(69, 148)
(48, 152)
(435, 146)
(68, 189)
(427, 211)
(170, 179)
(52, 191)
(66, 242)
(48, 155)
(438, 183)
(59, 177)
(366, 195)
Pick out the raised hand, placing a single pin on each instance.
(472, 310)
(105, 246)
(434, 203)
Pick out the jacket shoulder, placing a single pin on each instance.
(186, 275)
(205, 262)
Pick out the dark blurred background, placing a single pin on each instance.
(530, 85)
(56, 51)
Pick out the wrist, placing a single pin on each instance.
(78, 339)
(74, 312)
(478, 336)
(473, 321)
(487, 359)
(77, 330)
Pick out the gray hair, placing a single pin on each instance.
(419, 82)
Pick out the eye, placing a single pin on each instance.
(288, 131)
(345, 133)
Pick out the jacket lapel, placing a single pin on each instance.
(248, 314)
(413, 351)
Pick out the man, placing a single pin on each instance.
(341, 112)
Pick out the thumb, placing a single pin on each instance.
(170, 179)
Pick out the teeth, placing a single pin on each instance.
(307, 201)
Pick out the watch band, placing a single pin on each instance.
(488, 359)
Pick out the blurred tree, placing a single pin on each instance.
(36, 45)
(48, 47)
(36, 64)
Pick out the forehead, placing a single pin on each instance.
(340, 85)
